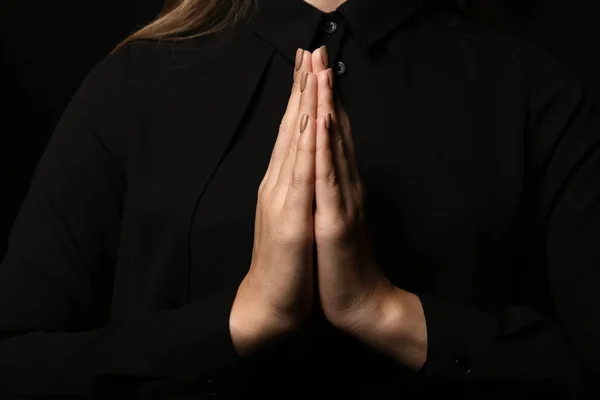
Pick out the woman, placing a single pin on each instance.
(419, 215)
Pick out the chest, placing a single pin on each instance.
(443, 171)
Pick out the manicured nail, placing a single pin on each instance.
(328, 121)
(330, 75)
(324, 55)
(303, 81)
(299, 58)
(303, 122)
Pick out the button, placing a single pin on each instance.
(340, 68)
(330, 27)
(463, 367)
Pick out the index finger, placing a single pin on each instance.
(286, 129)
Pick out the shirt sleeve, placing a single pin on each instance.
(57, 275)
(559, 351)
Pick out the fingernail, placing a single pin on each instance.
(303, 122)
(299, 58)
(328, 121)
(330, 75)
(324, 55)
(303, 81)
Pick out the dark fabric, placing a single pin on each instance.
(481, 158)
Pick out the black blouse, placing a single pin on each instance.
(481, 158)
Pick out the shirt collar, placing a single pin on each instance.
(290, 24)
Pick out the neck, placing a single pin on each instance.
(326, 5)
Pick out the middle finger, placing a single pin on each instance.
(327, 107)
(308, 105)
(286, 129)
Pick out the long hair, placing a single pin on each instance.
(186, 19)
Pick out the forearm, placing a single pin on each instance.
(445, 339)
(254, 326)
(183, 344)
(394, 324)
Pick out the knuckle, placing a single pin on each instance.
(337, 230)
(323, 77)
(296, 83)
(259, 194)
(261, 187)
(284, 125)
(323, 109)
(265, 188)
(293, 146)
(299, 179)
(301, 146)
(261, 198)
(305, 148)
(284, 235)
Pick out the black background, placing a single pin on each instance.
(48, 47)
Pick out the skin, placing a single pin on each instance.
(355, 294)
(313, 163)
(311, 200)
(326, 5)
(275, 298)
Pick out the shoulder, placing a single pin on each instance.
(490, 61)
(498, 49)
(154, 61)
(149, 62)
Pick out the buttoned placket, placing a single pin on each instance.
(333, 28)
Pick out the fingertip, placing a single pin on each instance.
(299, 58)
(317, 60)
(307, 61)
(330, 77)
(323, 79)
(324, 55)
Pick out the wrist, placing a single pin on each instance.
(395, 316)
(397, 327)
(253, 324)
(371, 314)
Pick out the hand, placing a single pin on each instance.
(350, 283)
(275, 297)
